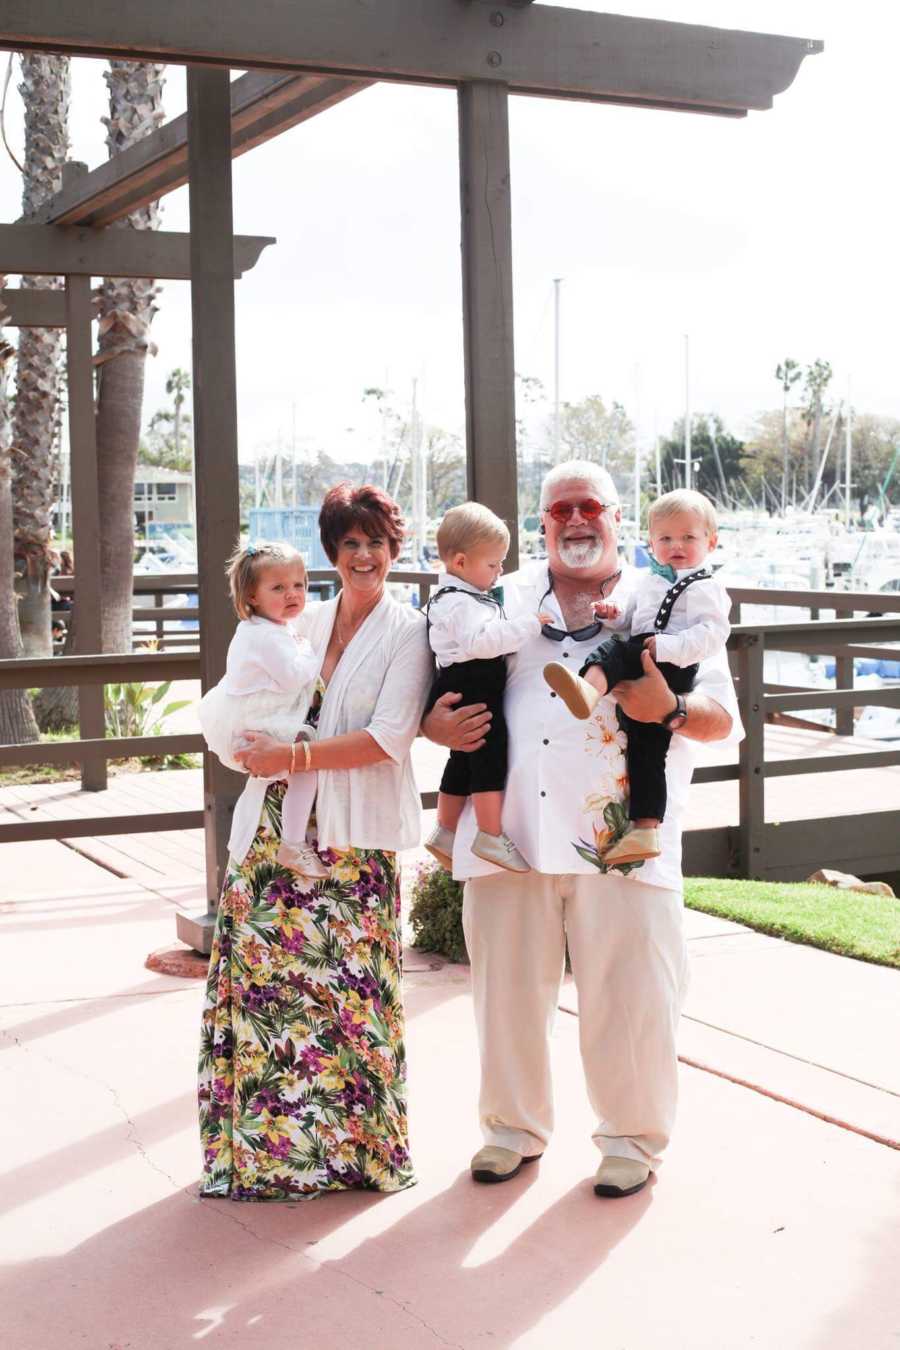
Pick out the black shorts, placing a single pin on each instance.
(481, 770)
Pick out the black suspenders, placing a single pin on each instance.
(664, 613)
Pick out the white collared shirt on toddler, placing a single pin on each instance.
(698, 624)
(463, 628)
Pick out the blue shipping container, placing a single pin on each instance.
(297, 525)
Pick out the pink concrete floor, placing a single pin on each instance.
(766, 1228)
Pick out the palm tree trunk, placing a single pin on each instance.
(45, 95)
(17, 724)
(126, 311)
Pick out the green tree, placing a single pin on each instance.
(169, 443)
(589, 430)
(717, 457)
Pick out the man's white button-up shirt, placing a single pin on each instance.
(566, 776)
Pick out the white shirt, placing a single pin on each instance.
(267, 686)
(380, 686)
(564, 773)
(698, 624)
(465, 629)
(270, 657)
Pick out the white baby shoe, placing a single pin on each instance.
(500, 850)
(302, 859)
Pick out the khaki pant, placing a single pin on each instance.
(628, 954)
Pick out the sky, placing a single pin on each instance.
(759, 238)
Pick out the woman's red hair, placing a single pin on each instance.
(367, 508)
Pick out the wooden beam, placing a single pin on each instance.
(33, 308)
(486, 224)
(215, 423)
(535, 49)
(59, 250)
(263, 105)
(44, 672)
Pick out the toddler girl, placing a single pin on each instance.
(268, 684)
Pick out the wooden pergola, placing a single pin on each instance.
(302, 56)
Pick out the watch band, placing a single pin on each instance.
(678, 716)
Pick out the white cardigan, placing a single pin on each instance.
(380, 686)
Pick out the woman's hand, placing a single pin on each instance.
(650, 646)
(457, 728)
(263, 756)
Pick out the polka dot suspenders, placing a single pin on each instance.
(664, 613)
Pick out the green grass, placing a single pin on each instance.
(847, 922)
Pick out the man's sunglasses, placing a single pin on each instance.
(589, 509)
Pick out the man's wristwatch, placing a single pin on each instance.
(675, 720)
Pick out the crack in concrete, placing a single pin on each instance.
(131, 1135)
(133, 1139)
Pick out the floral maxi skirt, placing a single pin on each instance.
(302, 1062)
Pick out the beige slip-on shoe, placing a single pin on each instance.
(620, 1176)
(579, 697)
(493, 1163)
(634, 846)
(440, 845)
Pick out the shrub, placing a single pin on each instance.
(133, 710)
(436, 913)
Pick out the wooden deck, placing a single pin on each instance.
(168, 857)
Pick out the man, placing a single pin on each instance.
(564, 799)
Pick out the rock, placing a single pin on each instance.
(845, 881)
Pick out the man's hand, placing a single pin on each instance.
(650, 646)
(457, 728)
(649, 698)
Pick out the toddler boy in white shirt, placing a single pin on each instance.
(679, 613)
(470, 635)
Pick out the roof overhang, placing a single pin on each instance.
(532, 49)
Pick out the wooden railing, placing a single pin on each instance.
(754, 847)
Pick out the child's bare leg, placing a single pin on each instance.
(595, 676)
(449, 810)
(488, 810)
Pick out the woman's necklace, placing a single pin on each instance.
(343, 641)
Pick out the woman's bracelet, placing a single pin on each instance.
(293, 754)
(307, 756)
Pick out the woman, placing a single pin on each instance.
(302, 1067)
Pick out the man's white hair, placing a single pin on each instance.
(579, 471)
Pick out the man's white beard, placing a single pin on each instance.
(580, 552)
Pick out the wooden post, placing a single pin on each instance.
(751, 765)
(843, 679)
(486, 222)
(215, 436)
(85, 515)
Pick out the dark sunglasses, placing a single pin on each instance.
(589, 509)
(590, 630)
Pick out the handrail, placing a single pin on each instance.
(847, 638)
